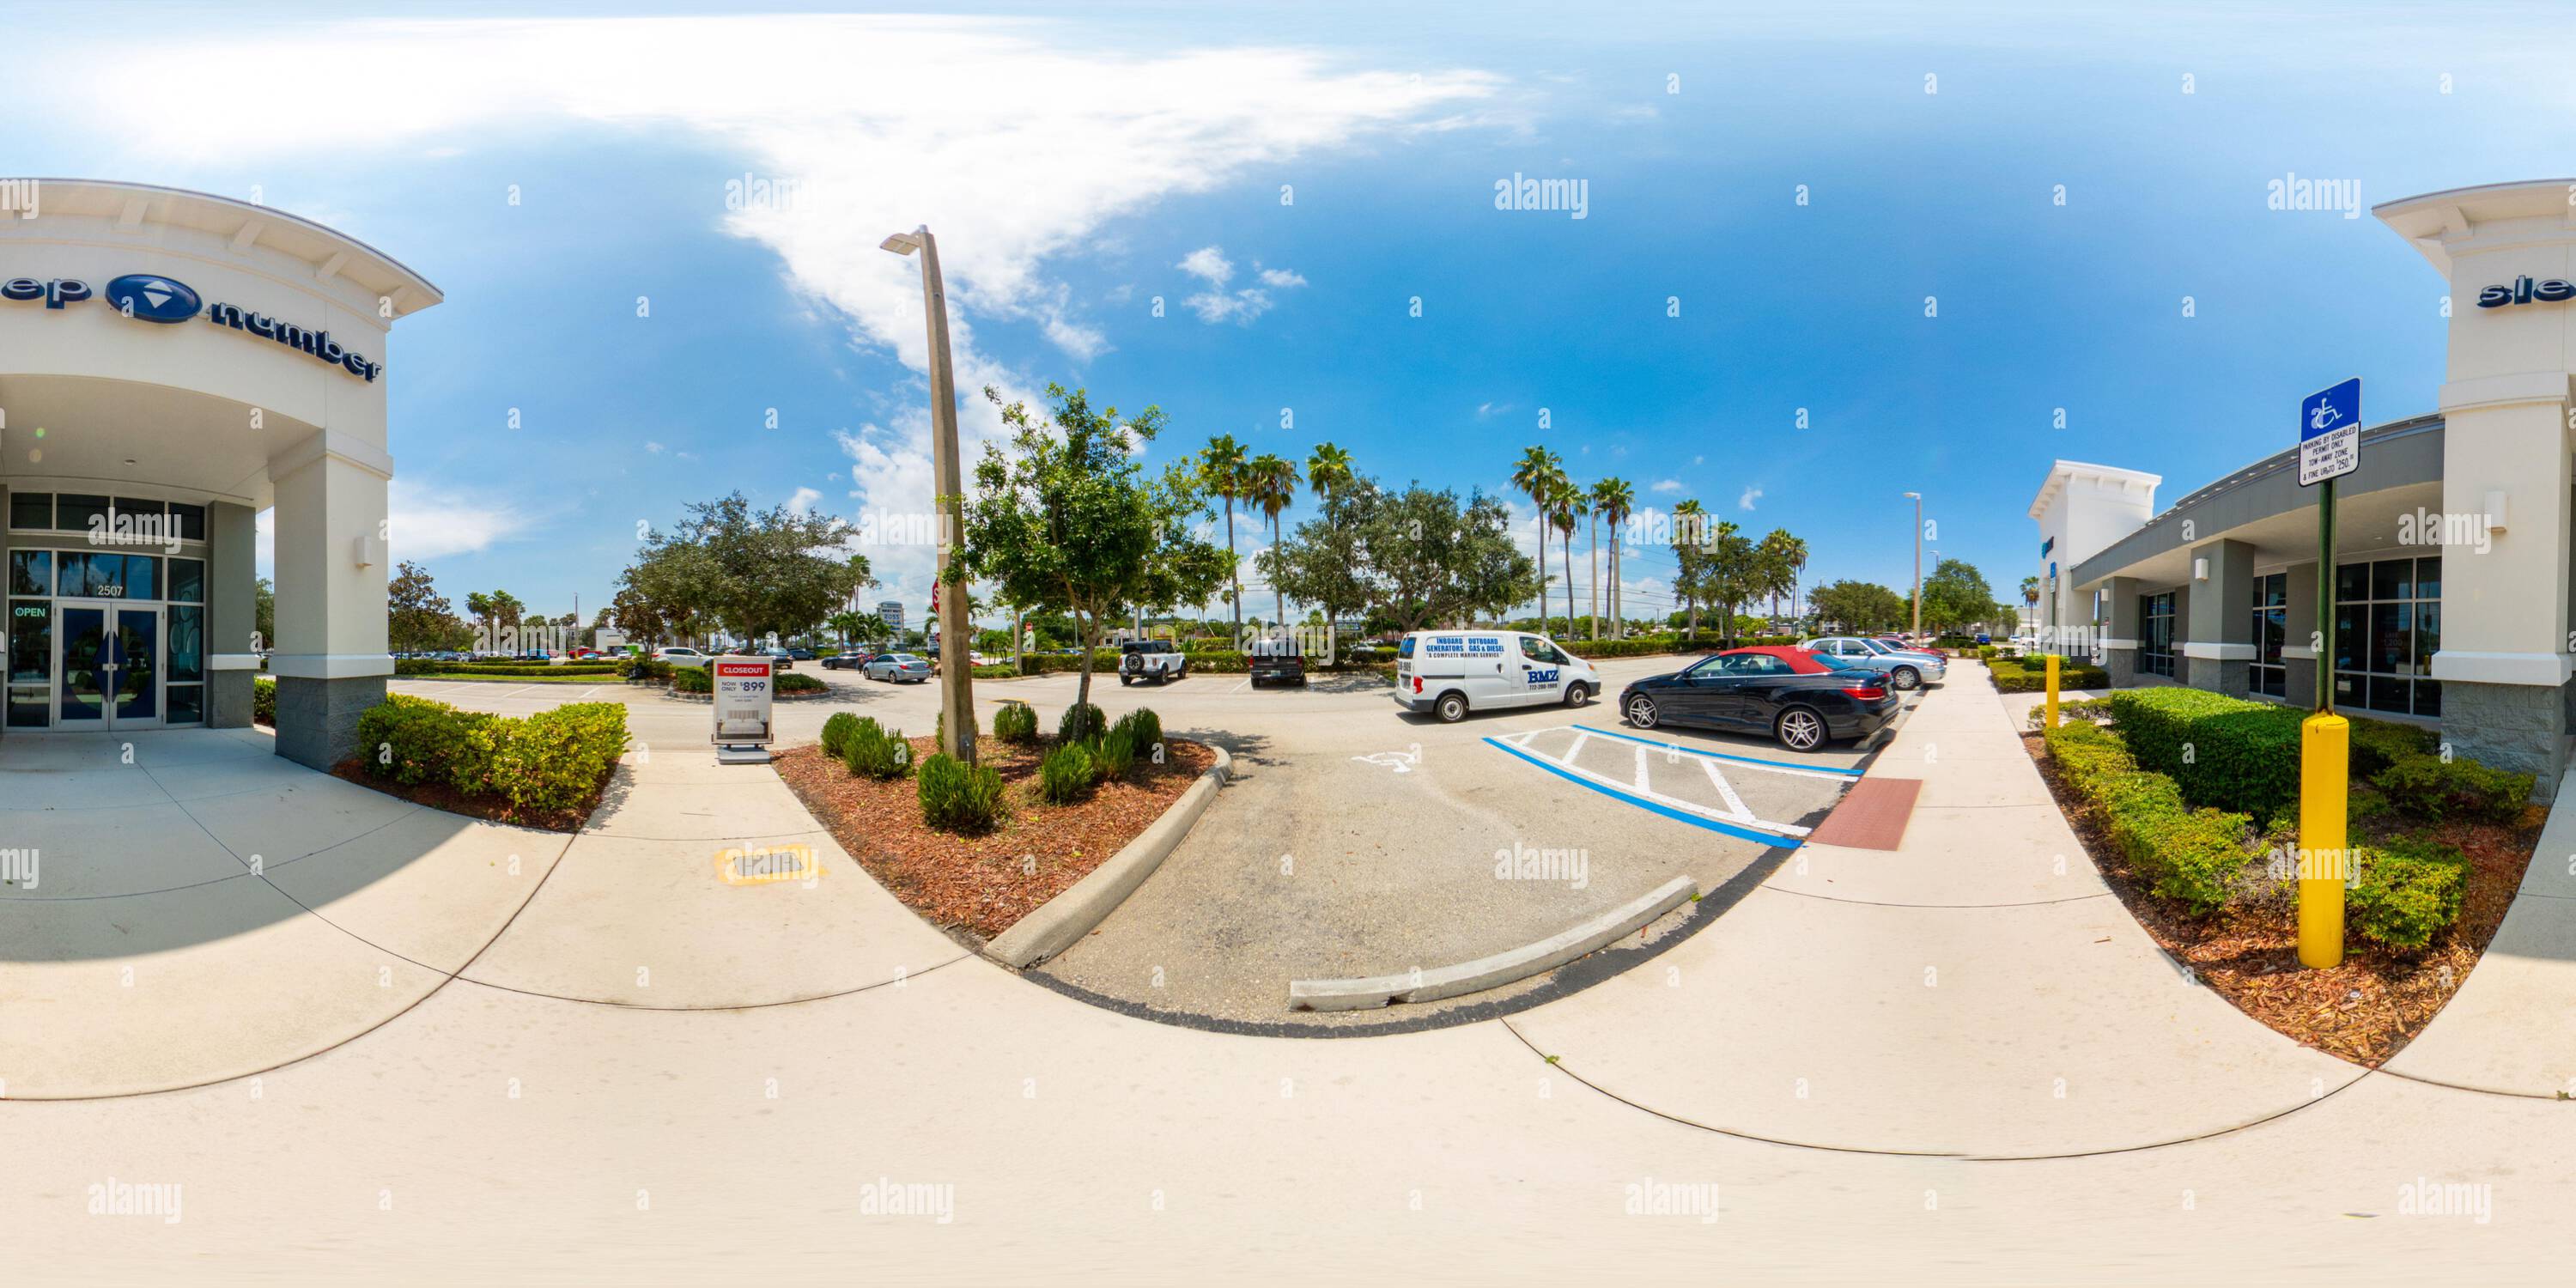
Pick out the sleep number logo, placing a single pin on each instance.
(2526, 291)
(149, 298)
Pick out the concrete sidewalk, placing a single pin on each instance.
(1977, 992)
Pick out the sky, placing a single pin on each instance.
(1826, 254)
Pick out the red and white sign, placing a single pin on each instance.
(742, 707)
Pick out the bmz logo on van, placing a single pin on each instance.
(1547, 676)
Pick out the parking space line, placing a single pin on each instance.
(1568, 757)
(1823, 771)
(1784, 835)
(1724, 788)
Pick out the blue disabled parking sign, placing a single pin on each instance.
(2330, 433)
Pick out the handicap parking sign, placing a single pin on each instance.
(2330, 433)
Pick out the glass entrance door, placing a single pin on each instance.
(111, 667)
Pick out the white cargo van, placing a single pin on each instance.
(1450, 673)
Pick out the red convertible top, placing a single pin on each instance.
(1799, 660)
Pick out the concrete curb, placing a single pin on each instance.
(1490, 972)
(1062, 921)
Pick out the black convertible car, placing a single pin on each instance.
(1797, 697)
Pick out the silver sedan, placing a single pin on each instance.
(901, 668)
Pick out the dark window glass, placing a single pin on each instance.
(31, 510)
(2389, 693)
(185, 704)
(188, 581)
(191, 521)
(2347, 641)
(31, 572)
(2348, 689)
(140, 516)
(31, 642)
(2275, 682)
(2428, 635)
(2352, 583)
(2428, 578)
(80, 513)
(2392, 579)
(2428, 697)
(2273, 628)
(71, 573)
(142, 577)
(187, 644)
(2391, 650)
(27, 708)
(2156, 633)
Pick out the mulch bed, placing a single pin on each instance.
(980, 885)
(491, 809)
(2365, 1010)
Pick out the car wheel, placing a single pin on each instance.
(1451, 708)
(1800, 729)
(1907, 678)
(1577, 693)
(1125, 679)
(1642, 713)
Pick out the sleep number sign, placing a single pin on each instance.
(742, 694)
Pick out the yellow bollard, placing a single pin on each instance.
(2325, 761)
(2052, 691)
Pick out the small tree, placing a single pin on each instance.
(1068, 520)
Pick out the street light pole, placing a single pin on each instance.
(956, 662)
(1918, 562)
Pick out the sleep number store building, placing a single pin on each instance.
(2453, 576)
(171, 364)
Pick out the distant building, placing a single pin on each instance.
(891, 613)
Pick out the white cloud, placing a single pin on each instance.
(653, 447)
(1209, 265)
(802, 501)
(1751, 495)
(1668, 487)
(424, 523)
(834, 109)
(1281, 278)
(1216, 304)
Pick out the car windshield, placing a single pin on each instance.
(1839, 663)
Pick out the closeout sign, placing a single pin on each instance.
(150, 297)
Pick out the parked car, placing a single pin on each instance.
(1158, 660)
(680, 655)
(1801, 699)
(900, 668)
(847, 661)
(1277, 660)
(779, 658)
(801, 654)
(1904, 669)
(1449, 673)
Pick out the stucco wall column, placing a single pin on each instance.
(330, 661)
(232, 613)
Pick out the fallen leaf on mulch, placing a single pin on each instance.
(983, 884)
(2365, 1010)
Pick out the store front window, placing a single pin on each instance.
(2156, 634)
(2388, 625)
(105, 638)
(2271, 628)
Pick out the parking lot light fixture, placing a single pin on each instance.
(1917, 498)
(956, 634)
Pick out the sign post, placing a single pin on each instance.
(2329, 448)
(742, 730)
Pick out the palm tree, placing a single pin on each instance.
(1779, 571)
(1565, 505)
(1270, 483)
(1220, 471)
(1591, 554)
(1686, 554)
(1794, 551)
(1536, 476)
(1328, 471)
(1612, 500)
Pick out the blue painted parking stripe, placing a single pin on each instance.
(1682, 816)
(1694, 751)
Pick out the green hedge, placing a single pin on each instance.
(2406, 891)
(800, 682)
(424, 666)
(2199, 858)
(2437, 789)
(263, 700)
(692, 679)
(1016, 722)
(2227, 753)
(2030, 675)
(959, 797)
(645, 668)
(546, 762)
(1065, 775)
(2377, 744)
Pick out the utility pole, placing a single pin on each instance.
(1918, 563)
(956, 662)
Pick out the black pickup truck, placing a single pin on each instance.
(1275, 660)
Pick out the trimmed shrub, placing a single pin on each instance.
(2225, 753)
(2406, 892)
(2075, 711)
(1144, 730)
(1082, 722)
(1117, 753)
(799, 682)
(640, 667)
(692, 679)
(425, 666)
(2030, 675)
(872, 752)
(2085, 753)
(1016, 722)
(958, 797)
(999, 671)
(2437, 789)
(2377, 744)
(549, 761)
(836, 733)
(2197, 858)
(1065, 776)
(263, 701)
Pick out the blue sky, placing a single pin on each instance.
(1079, 166)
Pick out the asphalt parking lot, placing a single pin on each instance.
(1359, 839)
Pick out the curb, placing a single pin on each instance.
(1494, 971)
(1062, 921)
